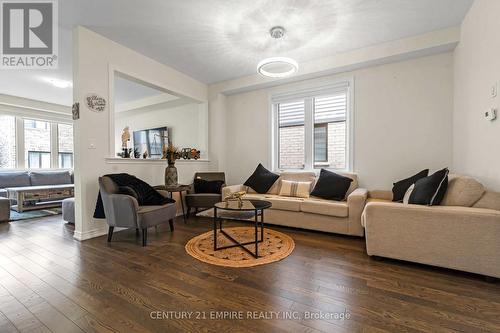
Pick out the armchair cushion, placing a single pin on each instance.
(149, 216)
(204, 200)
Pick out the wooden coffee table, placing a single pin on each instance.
(39, 197)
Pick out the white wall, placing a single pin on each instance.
(477, 67)
(403, 115)
(187, 125)
(94, 59)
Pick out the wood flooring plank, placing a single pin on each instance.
(50, 282)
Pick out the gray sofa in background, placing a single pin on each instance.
(34, 179)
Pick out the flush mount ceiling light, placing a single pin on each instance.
(58, 83)
(277, 66)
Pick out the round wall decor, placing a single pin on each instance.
(95, 103)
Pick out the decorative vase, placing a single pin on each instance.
(171, 175)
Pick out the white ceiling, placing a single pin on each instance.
(216, 40)
(127, 91)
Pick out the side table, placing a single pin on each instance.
(179, 188)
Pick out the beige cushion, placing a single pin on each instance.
(284, 203)
(489, 200)
(254, 196)
(295, 189)
(325, 207)
(462, 191)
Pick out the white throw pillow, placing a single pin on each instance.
(406, 198)
(295, 189)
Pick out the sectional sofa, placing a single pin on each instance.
(462, 233)
(342, 217)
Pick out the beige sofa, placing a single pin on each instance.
(343, 217)
(463, 233)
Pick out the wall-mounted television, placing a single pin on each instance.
(151, 141)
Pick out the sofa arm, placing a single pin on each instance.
(356, 202)
(227, 190)
(448, 236)
(380, 195)
(123, 211)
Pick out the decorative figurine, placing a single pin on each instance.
(190, 153)
(236, 196)
(125, 137)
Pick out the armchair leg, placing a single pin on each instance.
(188, 210)
(171, 223)
(136, 232)
(110, 233)
(144, 236)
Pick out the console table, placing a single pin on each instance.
(39, 197)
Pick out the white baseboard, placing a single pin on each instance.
(81, 236)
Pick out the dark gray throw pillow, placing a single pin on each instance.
(208, 186)
(399, 188)
(331, 186)
(430, 190)
(261, 179)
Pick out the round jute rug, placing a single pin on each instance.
(276, 246)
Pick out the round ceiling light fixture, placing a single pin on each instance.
(277, 66)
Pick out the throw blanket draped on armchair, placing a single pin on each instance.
(146, 195)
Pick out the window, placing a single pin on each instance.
(312, 129)
(7, 142)
(65, 145)
(330, 131)
(291, 135)
(38, 159)
(37, 143)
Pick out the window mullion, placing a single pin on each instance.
(20, 155)
(309, 133)
(54, 146)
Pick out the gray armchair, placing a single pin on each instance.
(123, 211)
(204, 200)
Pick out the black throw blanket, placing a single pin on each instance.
(145, 194)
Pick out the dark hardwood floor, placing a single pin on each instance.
(52, 283)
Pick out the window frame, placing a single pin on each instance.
(40, 153)
(311, 91)
(21, 161)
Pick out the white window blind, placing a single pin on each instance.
(312, 128)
